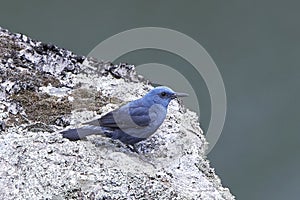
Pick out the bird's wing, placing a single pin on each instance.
(106, 120)
(131, 115)
(140, 115)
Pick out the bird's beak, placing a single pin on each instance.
(177, 94)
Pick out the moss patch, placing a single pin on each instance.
(8, 46)
(42, 107)
(91, 99)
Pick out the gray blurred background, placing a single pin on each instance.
(256, 47)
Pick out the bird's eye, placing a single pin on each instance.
(163, 94)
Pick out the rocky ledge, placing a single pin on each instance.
(44, 89)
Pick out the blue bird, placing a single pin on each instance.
(131, 123)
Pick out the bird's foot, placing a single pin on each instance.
(133, 148)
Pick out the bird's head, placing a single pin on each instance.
(163, 95)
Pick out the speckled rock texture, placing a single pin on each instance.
(44, 89)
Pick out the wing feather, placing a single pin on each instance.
(135, 111)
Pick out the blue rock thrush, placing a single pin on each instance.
(133, 122)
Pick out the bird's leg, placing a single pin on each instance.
(133, 148)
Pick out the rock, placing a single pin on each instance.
(45, 88)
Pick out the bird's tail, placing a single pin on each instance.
(82, 132)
